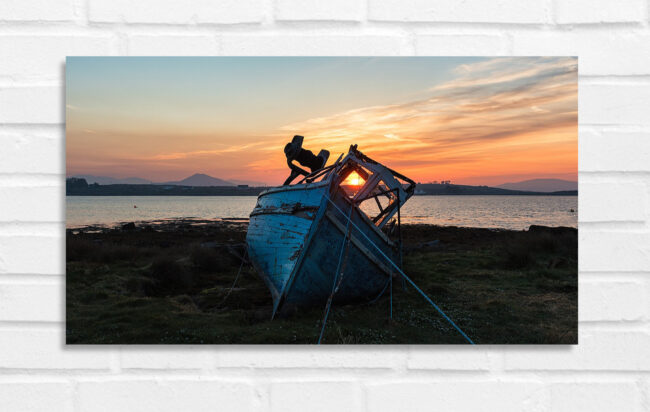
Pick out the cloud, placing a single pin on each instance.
(509, 70)
(501, 115)
(527, 100)
(202, 153)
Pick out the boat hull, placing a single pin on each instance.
(298, 236)
(277, 232)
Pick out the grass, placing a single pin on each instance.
(173, 286)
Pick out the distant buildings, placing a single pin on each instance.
(76, 183)
(436, 182)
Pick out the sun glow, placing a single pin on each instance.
(354, 179)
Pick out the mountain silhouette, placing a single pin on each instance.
(200, 179)
(541, 185)
(107, 180)
(197, 179)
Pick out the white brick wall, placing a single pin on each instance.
(609, 369)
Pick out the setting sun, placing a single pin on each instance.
(353, 179)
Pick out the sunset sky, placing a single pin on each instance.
(469, 120)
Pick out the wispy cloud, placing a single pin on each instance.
(498, 116)
(491, 106)
(202, 153)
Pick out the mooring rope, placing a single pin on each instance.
(336, 277)
(391, 295)
(243, 259)
(404, 276)
(375, 299)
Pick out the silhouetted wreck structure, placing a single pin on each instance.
(332, 237)
(300, 234)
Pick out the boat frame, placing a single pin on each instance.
(282, 211)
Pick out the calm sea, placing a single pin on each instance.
(508, 212)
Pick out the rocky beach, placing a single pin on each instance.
(173, 282)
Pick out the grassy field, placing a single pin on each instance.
(170, 284)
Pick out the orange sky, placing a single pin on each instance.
(481, 121)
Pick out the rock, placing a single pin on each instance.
(262, 314)
(128, 226)
(433, 243)
(210, 244)
(548, 229)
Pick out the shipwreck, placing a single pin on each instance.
(332, 235)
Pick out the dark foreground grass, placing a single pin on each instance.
(171, 285)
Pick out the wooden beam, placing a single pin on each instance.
(356, 242)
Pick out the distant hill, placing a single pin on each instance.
(218, 187)
(107, 180)
(541, 185)
(451, 189)
(200, 179)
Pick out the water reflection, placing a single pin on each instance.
(509, 212)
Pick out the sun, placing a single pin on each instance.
(354, 179)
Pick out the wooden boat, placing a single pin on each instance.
(303, 237)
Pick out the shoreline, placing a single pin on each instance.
(169, 224)
(171, 281)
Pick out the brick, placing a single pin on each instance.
(332, 45)
(455, 396)
(17, 302)
(32, 254)
(449, 358)
(618, 104)
(176, 45)
(45, 349)
(607, 151)
(471, 11)
(601, 52)
(612, 201)
(599, 11)
(592, 396)
(26, 204)
(319, 396)
(166, 358)
(165, 395)
(36, 396)
(173, 12)
(32, 104)
(32, 152)
(345, 10)
(460, 45)
(42, 58)
(396, 377)
(613, 251)
(305, 357)
(598, 350)
(37, 10)
(611, 301)
(644, 384)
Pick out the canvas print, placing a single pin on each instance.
(321, 200)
